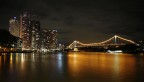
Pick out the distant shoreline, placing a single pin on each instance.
(18, 52)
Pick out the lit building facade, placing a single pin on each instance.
(49, 39)
(44, 40)
(36, 42)
(30, 32)
(25, 30)
(14, 27)
(53, 39)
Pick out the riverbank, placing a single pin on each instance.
(24, 51)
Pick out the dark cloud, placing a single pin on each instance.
(84, 20)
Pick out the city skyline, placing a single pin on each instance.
(86, 21)
(29, 30)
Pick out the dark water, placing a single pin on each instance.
(71, 67)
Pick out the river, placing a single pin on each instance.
(71, 67)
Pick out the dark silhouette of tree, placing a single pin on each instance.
(6, 39)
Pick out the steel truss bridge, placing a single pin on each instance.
(113, 41)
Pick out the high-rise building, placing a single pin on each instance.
(14, 27)
(36, 42)
(53, 39)
(44, 40)
(30, 32)
(25, 30)
(49, 39)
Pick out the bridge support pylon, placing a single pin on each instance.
(75, 50)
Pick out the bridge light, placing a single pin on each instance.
(75, 43)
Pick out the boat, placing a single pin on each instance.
(114, 51)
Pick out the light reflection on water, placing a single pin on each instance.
(71, 67)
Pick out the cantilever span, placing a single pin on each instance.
(115, 40)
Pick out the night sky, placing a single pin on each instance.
(84, 20)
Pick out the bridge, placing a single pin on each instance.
(113, 41)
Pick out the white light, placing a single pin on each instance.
(101, 43)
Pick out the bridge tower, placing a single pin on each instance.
(115, 39)
(75, 46)
(75, 42)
